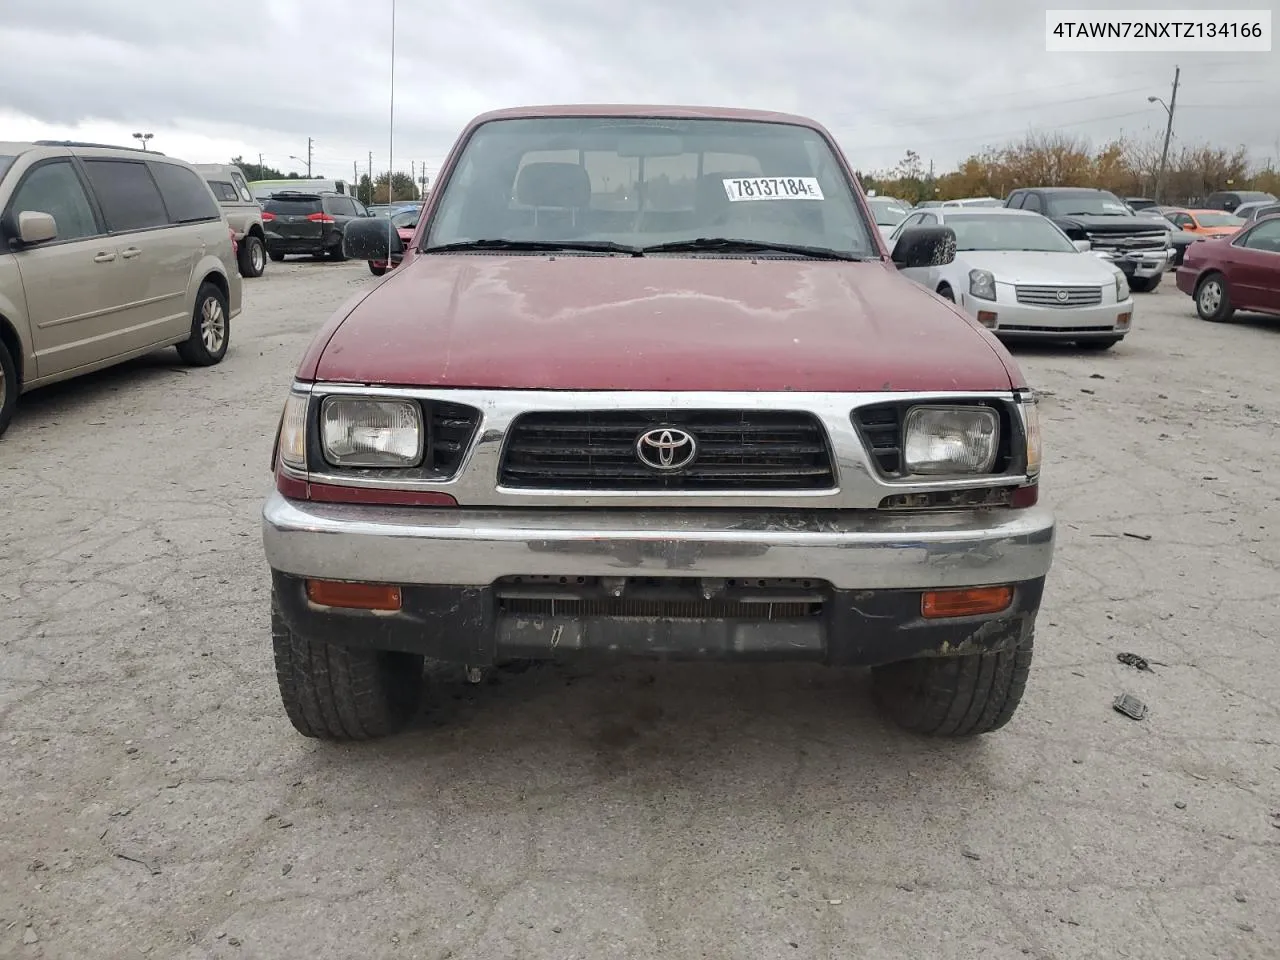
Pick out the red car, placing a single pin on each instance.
(647, 382)
(405, 223)
(1237, 273)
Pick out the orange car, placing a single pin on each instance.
(1207, 223)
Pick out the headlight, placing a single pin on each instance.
(363, 432)
(982, 284)
(944, 440)
(1031, 427)
(293, 432)
(1122, 287)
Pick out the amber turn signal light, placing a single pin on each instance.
(353, 596)
(972, 602)
(987, 318)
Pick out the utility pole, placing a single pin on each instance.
(260, 176)
(1168, 131)
(373, 193)
(309, 143)
(413, 172)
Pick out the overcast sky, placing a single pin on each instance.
(216, 78)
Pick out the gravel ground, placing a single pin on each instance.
(156, 802)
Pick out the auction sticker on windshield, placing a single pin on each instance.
(773, 188)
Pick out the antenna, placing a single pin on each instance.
(391, 140)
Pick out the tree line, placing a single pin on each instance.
(1126, 167)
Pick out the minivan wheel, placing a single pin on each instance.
(337, 253)
(9, 387)
(253, 257)
(210, 329)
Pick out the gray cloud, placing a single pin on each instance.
(941, 78)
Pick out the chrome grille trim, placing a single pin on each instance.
(859, 483)
(1044, 296)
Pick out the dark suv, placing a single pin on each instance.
(308, 223)
(1137, 245)
(1228, 200)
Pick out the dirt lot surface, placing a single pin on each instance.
(155, 802)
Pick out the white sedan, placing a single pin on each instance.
(1020, 276)
(889, 212)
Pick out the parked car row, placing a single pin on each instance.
(1019, 275)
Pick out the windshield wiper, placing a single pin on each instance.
(726, 245)
(549, 246)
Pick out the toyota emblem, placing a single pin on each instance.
(666, 449)
(1063, 296)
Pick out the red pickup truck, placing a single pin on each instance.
(647, 383)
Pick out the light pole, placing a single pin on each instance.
(1168, 130)
(143, 138)
(308, 160)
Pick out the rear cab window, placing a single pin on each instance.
(241, 188)
(127, 193)
(224, 191)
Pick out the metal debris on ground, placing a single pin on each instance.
(1133, 660)
(1130, 706)
(1138, 536)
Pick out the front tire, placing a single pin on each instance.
(9, 387)
(253, 257)
(954, 696)
(1144, 284)
(210, 328)
(343, 693)
(1213, 300)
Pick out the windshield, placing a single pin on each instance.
(1100, 204)
(888, 213)
(1218, 220)
(641, 182)
(1007, 232)
(5, 164)
(405, 219)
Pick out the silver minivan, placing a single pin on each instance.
(106, 253)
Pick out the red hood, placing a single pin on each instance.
(656, 323)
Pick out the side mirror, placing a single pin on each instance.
(925, 247)
(36, 227)
(371, 238)
(1084, 246)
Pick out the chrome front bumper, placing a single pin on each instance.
(1145, 264)
(851, 550)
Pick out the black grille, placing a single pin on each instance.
(452, 426)
(1137, 241)
(881, 429)
(737, 450)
